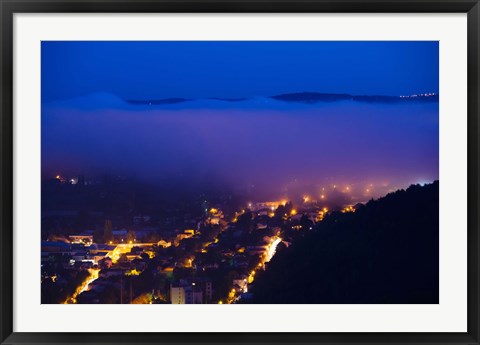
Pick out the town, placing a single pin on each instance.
(214, 258)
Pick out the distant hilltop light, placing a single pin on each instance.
(420, 95)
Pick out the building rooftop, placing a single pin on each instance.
(99, 246)
(99, 254)
(55, 244)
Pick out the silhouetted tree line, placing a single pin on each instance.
(67, 283)
(385, 252)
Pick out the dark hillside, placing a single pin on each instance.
(385, 252)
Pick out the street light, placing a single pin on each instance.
(193, 293)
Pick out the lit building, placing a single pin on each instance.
(193, 296)
(208, 290)
(83, 239)
(213, 220)
(240, 285)
(191, 293)
(164, 244)
(185, 234)
(177, 295)
(215, 216)
(271, 205)
(186, 295)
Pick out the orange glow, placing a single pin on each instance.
(293, 212)
(348, 208)
(132, 272)
(84, 286)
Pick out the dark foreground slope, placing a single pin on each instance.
(385, 252)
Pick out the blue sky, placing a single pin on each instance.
(154, 70)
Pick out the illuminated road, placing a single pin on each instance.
(272, 249)
(125, 248)
(92, 278)
(84, 286)
(270, 252)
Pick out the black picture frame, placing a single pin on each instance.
(9, 7)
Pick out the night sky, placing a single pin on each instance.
(236, 69)
(89, 128)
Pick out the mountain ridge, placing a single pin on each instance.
(305, 97)
(297, 100)
(387, 251)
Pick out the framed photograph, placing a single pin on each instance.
(239, 172)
